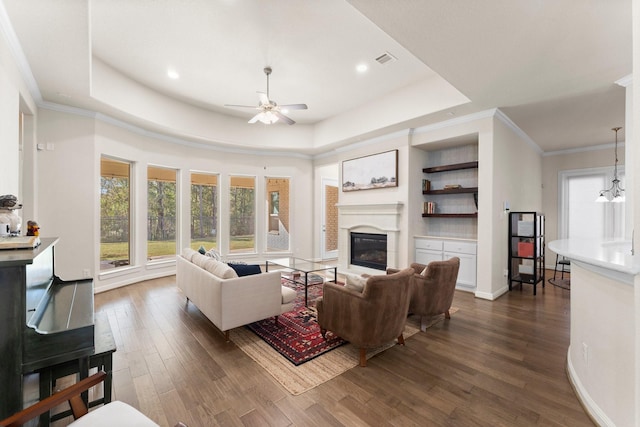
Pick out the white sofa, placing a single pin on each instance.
(227, 300)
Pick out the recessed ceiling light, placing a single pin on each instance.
(173, 74)
(361, 68)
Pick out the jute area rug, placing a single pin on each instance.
(302, 378)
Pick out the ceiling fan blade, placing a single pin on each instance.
(282, 117)
(264, 99)
(255, 118)
(241, 106)
(295, 106)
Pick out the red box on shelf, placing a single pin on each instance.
(525, 249)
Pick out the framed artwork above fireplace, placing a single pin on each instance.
(369, 172)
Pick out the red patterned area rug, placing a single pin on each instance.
(297, 334)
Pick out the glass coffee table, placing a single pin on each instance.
(298, 270)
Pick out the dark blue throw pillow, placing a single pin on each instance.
(245, 269)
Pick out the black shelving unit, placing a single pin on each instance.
(526, 249)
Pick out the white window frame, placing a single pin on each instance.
(609, 219)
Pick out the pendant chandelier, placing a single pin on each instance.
(616, 191)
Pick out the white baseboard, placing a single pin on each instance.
(591, 407)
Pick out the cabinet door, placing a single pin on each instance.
(424, 256)
(467, 272)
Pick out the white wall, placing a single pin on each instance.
(9, 102)
(516, 169)
(402, 193)
(598, 360)
(67, 190)
(14, 99)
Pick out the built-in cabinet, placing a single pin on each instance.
(429, 249)
(526, 249)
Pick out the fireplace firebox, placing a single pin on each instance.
(369, 250)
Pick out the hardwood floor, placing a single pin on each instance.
(499, 363)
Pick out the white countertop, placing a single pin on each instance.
(611, 255)
(460, 239)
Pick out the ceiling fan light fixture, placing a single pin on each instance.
(267, 118)
(270, 111)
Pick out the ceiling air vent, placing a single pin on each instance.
(386, 57)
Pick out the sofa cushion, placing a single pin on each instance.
(199, 259)
(210, 265)
(224, 271)
(245, 269)
(116, 413)
(355, 282)
(288, 295)
(187, 253)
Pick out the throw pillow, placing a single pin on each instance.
(355, 282)
(202, 250)
(245, 269)
(213, 254)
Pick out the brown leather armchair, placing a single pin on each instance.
(432, 292)
(368, 319)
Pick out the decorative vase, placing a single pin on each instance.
(9, 216)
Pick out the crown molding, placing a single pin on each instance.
(493, 112)
(511, 125)
(364, 143)
(583, 149)
(163, 137)
(455, 121)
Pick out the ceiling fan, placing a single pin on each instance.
(270, 112)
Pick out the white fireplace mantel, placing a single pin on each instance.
(368, 218)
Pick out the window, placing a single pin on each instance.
(115, 213)
(278, 214)
(242, 217)
(161, 213)
(580, 216)
(204, 211)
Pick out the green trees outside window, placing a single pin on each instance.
(161, 213)
(204, 211)
(242, 212)
(115, 213)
